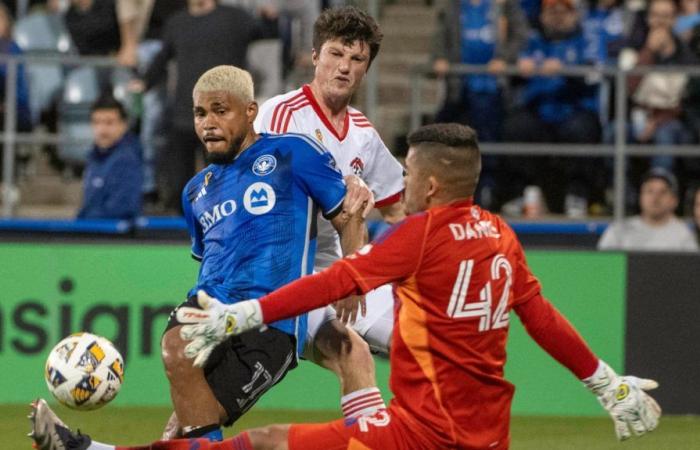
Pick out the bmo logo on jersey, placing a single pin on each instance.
(259, 198)
(210, 218)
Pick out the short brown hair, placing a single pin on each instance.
(450, 152)
(349, 24)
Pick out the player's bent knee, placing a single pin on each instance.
(172, 353)
(333, 340)
(273, 437)
(359, 354)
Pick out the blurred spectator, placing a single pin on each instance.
(657, 227)
(556, 108)
(141, 26)
(9, 47)
(113, 174)
(265, 57)
(485, 32)
(637, 27)
(198, 38)
(297, 19)
(604, 29)
(532, 9)
(93, 26)
(688, 19)
(657, 96)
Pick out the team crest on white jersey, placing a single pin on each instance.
(357, 166)
(264, 165)
(259, 198)
(319, 135)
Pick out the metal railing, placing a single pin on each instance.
(10, 137)
(620, 150)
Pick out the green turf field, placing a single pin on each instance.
(130, 425)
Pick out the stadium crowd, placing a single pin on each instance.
(539, 38)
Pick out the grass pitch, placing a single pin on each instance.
(140, 425)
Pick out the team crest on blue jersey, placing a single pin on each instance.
(264, 165)
(259, 198)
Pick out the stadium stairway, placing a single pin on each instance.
(46, 193)
(408, 27)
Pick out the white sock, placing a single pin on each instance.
(363, 402)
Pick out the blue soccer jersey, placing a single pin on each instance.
(252, 221)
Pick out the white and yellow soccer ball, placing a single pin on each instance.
(84, 371)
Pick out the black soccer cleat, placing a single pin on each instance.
(50, 433)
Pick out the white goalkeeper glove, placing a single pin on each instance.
(208, 326)
(631, 409)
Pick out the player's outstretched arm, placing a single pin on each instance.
(631, 409)
(208, 326)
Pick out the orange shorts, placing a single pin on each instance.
(389, 429)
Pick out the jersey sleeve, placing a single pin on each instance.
(316, 172)
(393, 257)
(384, 176)
(192, 227)
(525, 284)
(555, 334)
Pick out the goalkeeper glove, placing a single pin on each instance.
(631, 409)
(208, 326)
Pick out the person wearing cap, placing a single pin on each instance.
(656, 228)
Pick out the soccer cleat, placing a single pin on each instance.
(50, 433)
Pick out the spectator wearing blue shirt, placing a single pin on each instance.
(9, 47)
(532, 10)
(114, 171)
(480, 32)
(488, 32)
(688, 19)
(604, 25)
(556, 108)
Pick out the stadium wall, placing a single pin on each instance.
(125, 292)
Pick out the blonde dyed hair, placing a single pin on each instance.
(229, 79)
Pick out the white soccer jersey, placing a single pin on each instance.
(357, 150)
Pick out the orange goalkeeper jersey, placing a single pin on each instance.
(458, 272)
(462, 270)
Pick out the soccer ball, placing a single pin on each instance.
(84, 371)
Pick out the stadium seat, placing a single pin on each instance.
(81, 89)
(42, 34)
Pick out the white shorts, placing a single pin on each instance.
(375, 327)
